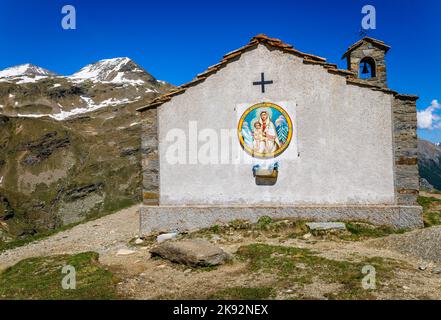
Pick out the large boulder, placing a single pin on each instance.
(195, 253)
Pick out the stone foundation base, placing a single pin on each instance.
(190, 218)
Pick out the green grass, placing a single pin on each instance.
(40, 278)
(243, 293)
(359, 231)
(291, 229)
(431, 210)
(298, 266)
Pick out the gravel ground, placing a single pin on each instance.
(141, 277)
(423, 243)
(105, 235)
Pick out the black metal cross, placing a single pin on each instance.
(262, 82)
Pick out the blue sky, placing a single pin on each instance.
(175, 40)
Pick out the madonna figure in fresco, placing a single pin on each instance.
(264, 130)
(269, 132)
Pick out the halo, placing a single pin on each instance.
(262, 109)
(253, 122)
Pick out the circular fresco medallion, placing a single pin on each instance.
(265, 130)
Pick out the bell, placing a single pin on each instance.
(365, 69)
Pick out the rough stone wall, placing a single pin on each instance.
(405, 149)
(150, 157)
(367, 49)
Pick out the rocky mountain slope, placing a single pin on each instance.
(76, 151)
(30, 91)
(429, 163)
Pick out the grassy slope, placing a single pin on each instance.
(431, 210)
(299, 267)
(41, 278)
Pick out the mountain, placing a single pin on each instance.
(70, 147)
(25, 70)
(117, 70)
(54, 173)
(429, 163)
(31, 91)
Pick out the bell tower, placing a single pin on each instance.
(366, 58)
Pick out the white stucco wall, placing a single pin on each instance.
(343, 137)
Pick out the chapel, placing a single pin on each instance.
(274, 131)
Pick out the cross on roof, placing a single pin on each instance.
(262, 82)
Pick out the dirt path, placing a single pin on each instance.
(105, 235)
(141, 277)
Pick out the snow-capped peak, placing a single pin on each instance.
(25, 70)
(116, 70)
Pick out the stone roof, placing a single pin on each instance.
(272, 43)
(375, 42)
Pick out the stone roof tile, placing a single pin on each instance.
(376, 42)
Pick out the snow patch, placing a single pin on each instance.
(30, 79)
(90, 106)
(32, 115)
(25, 69)
(104, 71)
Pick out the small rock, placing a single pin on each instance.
(143, 248)
(406, 288)
(301, 265)
(436, 271)
(139, 241)
(289, 291)
(194, 253)
(277, 255)
(215, 238)
(422, 267)
(166, 236)
(307, 236)
(187, 270)
(162, 266)
(124, 252)
(326, 226)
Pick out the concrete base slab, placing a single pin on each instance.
(190, 218)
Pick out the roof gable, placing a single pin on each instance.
(378, 43)
(271, 43)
